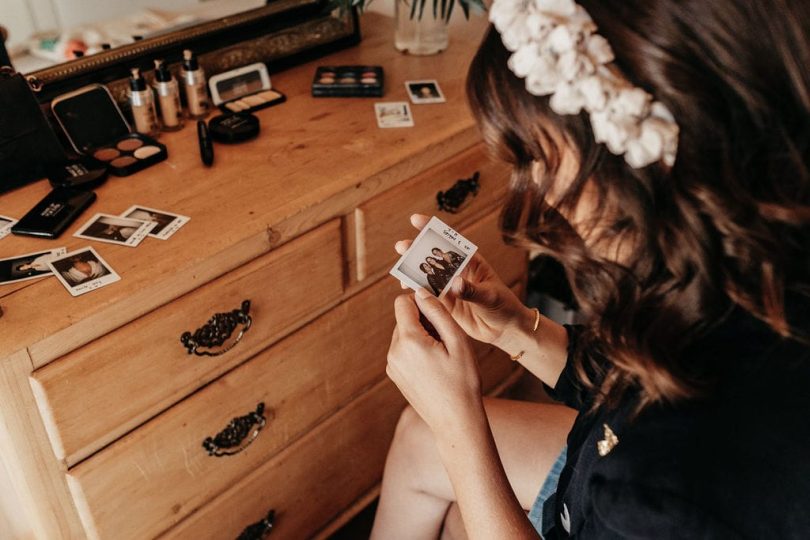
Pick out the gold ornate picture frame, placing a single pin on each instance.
(281, 34)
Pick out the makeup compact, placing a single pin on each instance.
(95, 127)
(348, 81)
(83, 172)
(245, 89)
(234, 128)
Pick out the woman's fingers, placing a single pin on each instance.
(475, 293)
(419, 221)
(433, 310)
(407, 315)
(402, 246)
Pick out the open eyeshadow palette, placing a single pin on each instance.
(95, 127)
(244, 89)
(348, 81)
(130, 154)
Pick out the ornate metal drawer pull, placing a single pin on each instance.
(260, 529)
(457, 197)
(217, 331)
(237, 435)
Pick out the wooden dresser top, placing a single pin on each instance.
(315, 159)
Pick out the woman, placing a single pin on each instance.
(663, 159)
(433, 279)
(82, 270)
(452, 259)
(443, 271)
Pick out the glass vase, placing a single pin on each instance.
(421, 37)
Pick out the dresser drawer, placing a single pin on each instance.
(310, 483)
(385, 219)
(301, 380)
(96, 394)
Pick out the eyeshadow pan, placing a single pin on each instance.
(254, 100)
(146, 151)
(269, 95)
(368, 80)
(347, 80)
(123, 161)
(106, 154)
(369, 74)
(128, 145)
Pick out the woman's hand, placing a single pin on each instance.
(439, 379)
(479, 301)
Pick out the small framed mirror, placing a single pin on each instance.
(65, 44)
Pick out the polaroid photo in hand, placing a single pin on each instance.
(115, 230)
(167, 222)
(82, 271)
(6, 223)
(393, 115)
(438, 254)
(28, 266)
(422, 92)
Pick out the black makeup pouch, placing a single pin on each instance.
(28, 145)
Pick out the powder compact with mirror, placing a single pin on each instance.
(245, 89)
(95, 126)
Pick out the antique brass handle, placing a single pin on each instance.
(217, 331)
(237, 435)
(457, 197)
(260, 529)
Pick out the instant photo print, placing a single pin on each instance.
(5, 225)
(166, 223)
(82, 271)
(438, 254)
(28, 266)
(116, 230)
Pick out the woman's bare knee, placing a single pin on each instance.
(415, 459)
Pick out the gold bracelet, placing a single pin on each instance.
(519, 355)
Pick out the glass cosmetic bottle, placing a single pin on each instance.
(168, 97)
(142, 101)
(194, 86)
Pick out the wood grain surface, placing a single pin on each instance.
(315, 159)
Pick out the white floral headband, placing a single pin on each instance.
(555, 48)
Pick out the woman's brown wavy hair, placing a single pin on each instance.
(726, 226)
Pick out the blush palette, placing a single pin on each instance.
(130, 154)
(348, 81)
(95, 127)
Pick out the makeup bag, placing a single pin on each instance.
(28, 144)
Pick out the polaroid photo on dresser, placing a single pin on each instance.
(82, 271)
(423, 92)
(6, 223)
(438, 254)
(28, 266)
(393, 115)
(167, 223)
(115, 230)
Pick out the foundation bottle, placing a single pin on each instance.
(142, 101)
(168, 97)
(194, 86)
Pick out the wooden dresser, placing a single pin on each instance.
(103, 413)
